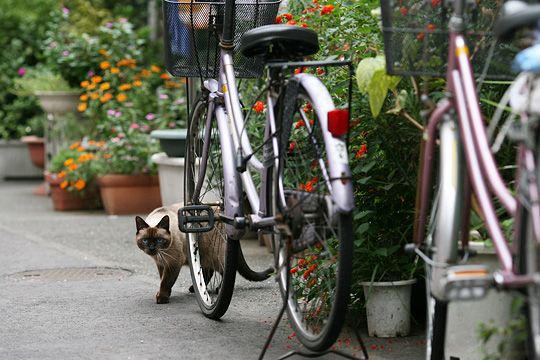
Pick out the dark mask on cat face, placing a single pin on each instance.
(152, 239)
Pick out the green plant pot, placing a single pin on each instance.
(172, 141)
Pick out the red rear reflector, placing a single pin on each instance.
(338, 122)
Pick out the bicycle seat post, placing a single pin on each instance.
(227, 41)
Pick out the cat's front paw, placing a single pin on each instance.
(161, 299)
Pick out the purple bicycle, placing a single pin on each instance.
(457, 161)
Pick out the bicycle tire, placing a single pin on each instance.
(529, 263)
(317, 277)
(213, 268)
(442, 237)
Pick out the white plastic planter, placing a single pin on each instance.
(171, 178)
(15, 161)
(388, 307)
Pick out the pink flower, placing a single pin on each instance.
(65, 11)
(115, 140)
(150, 116)
(111, 112)
(121, 135)
(163, 96)
(21, 71)
(117, 114)
(134, 126)
(65, 53)
(172, 125)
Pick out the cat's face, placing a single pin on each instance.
(153, 239)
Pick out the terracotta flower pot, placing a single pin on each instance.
(36, 147)
(64, 200)
(129, 194)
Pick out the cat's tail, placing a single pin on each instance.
(250, 274)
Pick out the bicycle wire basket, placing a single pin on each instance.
(192, 30)
(415, 35)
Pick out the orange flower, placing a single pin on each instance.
(145, 73)
(80, 184)
(121, 97)
(61, 174)
(97, 79)
(105, 86)
(327, 9)
(155, 68)
(164, 76)
(80, 149)
(258, 107)
(83, 97)
(74, 145)
(64, 184)
(106, 97)
(82, 107)
(91, 86)
(104, 65)
(103, 52)
(361, 152)
(124, 87)
(115, 70)
(137, 83)
(94, 95)
(73, 167)
(85, 83)
(107, 156)
(68, 162)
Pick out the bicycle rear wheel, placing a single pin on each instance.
(317, 271)
(212, 256)
(442, 236)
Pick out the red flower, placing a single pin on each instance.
(299, 124)
(307, 107)
(294, 270)
(327, 9)
(435, 3)
(320, 71)
(361, 152)
(421, 36)
(404, 11)
(430, 27)
(292, 145)
(279, 19)
(258, 107)
(291, 22)
(287, 16)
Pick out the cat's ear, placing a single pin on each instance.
(164, 223)
(141, 224)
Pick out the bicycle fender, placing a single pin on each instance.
(336, 147)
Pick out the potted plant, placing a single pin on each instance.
(127, 178)
(71, 177)
(126, 102)
(384, 167)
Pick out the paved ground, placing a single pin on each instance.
(55, 313)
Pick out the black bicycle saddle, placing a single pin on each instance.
(283, 42)
(515, 14)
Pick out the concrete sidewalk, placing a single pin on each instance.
(75, 286)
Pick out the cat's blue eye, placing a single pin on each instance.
(145, 242)
(160, 241)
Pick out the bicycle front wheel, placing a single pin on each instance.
(442, 236)
(315, 275)
(212, 256)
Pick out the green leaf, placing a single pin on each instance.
(362, 228)
(377, 90)
(365, 70)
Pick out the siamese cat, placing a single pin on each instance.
(159, 236)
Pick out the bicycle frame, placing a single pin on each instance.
(482, 172)
(231, 125)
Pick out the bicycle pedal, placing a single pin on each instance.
(468, 282)
(195, 219)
